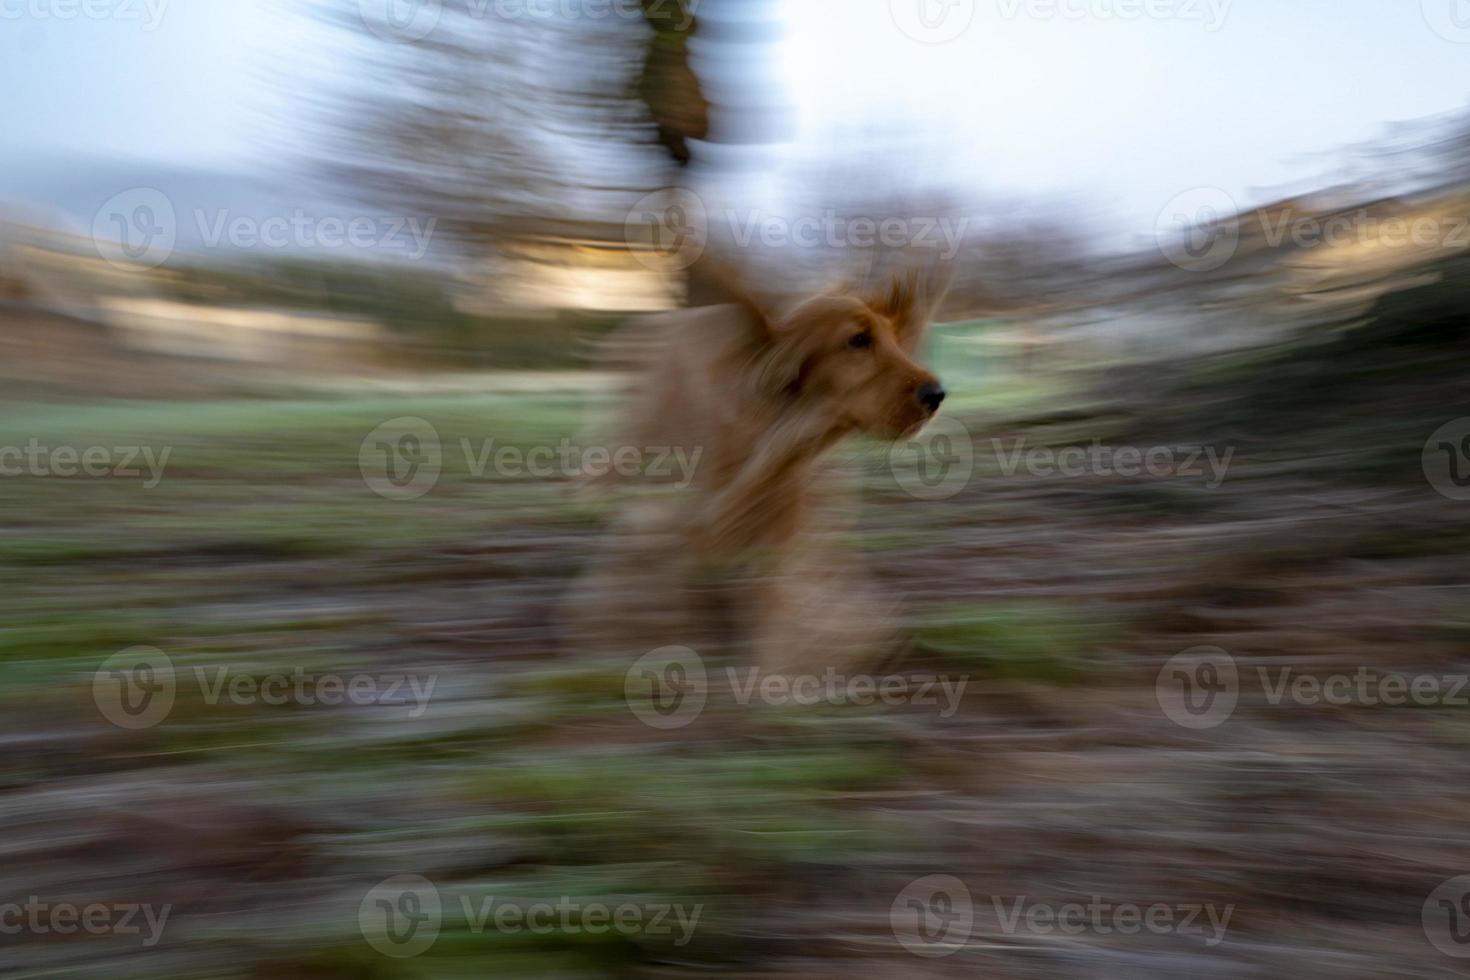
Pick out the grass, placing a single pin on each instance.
(263, 549)
(1028, 641)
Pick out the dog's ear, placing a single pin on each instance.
(768, 356)
(715, 280)
(913, 297)
(783, 340)
(780, 366)
(797, 334)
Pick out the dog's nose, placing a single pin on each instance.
(931, 395)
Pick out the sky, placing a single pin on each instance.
(169, 80)
(1121, 104)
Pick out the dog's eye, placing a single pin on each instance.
(861, 341)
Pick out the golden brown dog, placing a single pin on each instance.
(757, 396)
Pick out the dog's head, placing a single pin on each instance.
(853, 358)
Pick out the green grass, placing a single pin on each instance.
(1030, 641)
(263, 499)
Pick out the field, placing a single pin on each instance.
(503, 769)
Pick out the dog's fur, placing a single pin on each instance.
(762, 394)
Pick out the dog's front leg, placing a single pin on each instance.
(816, 611)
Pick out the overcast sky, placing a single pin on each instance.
(1121, 103)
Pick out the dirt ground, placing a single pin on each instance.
(1297, 839)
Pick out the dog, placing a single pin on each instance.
(758, 393)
